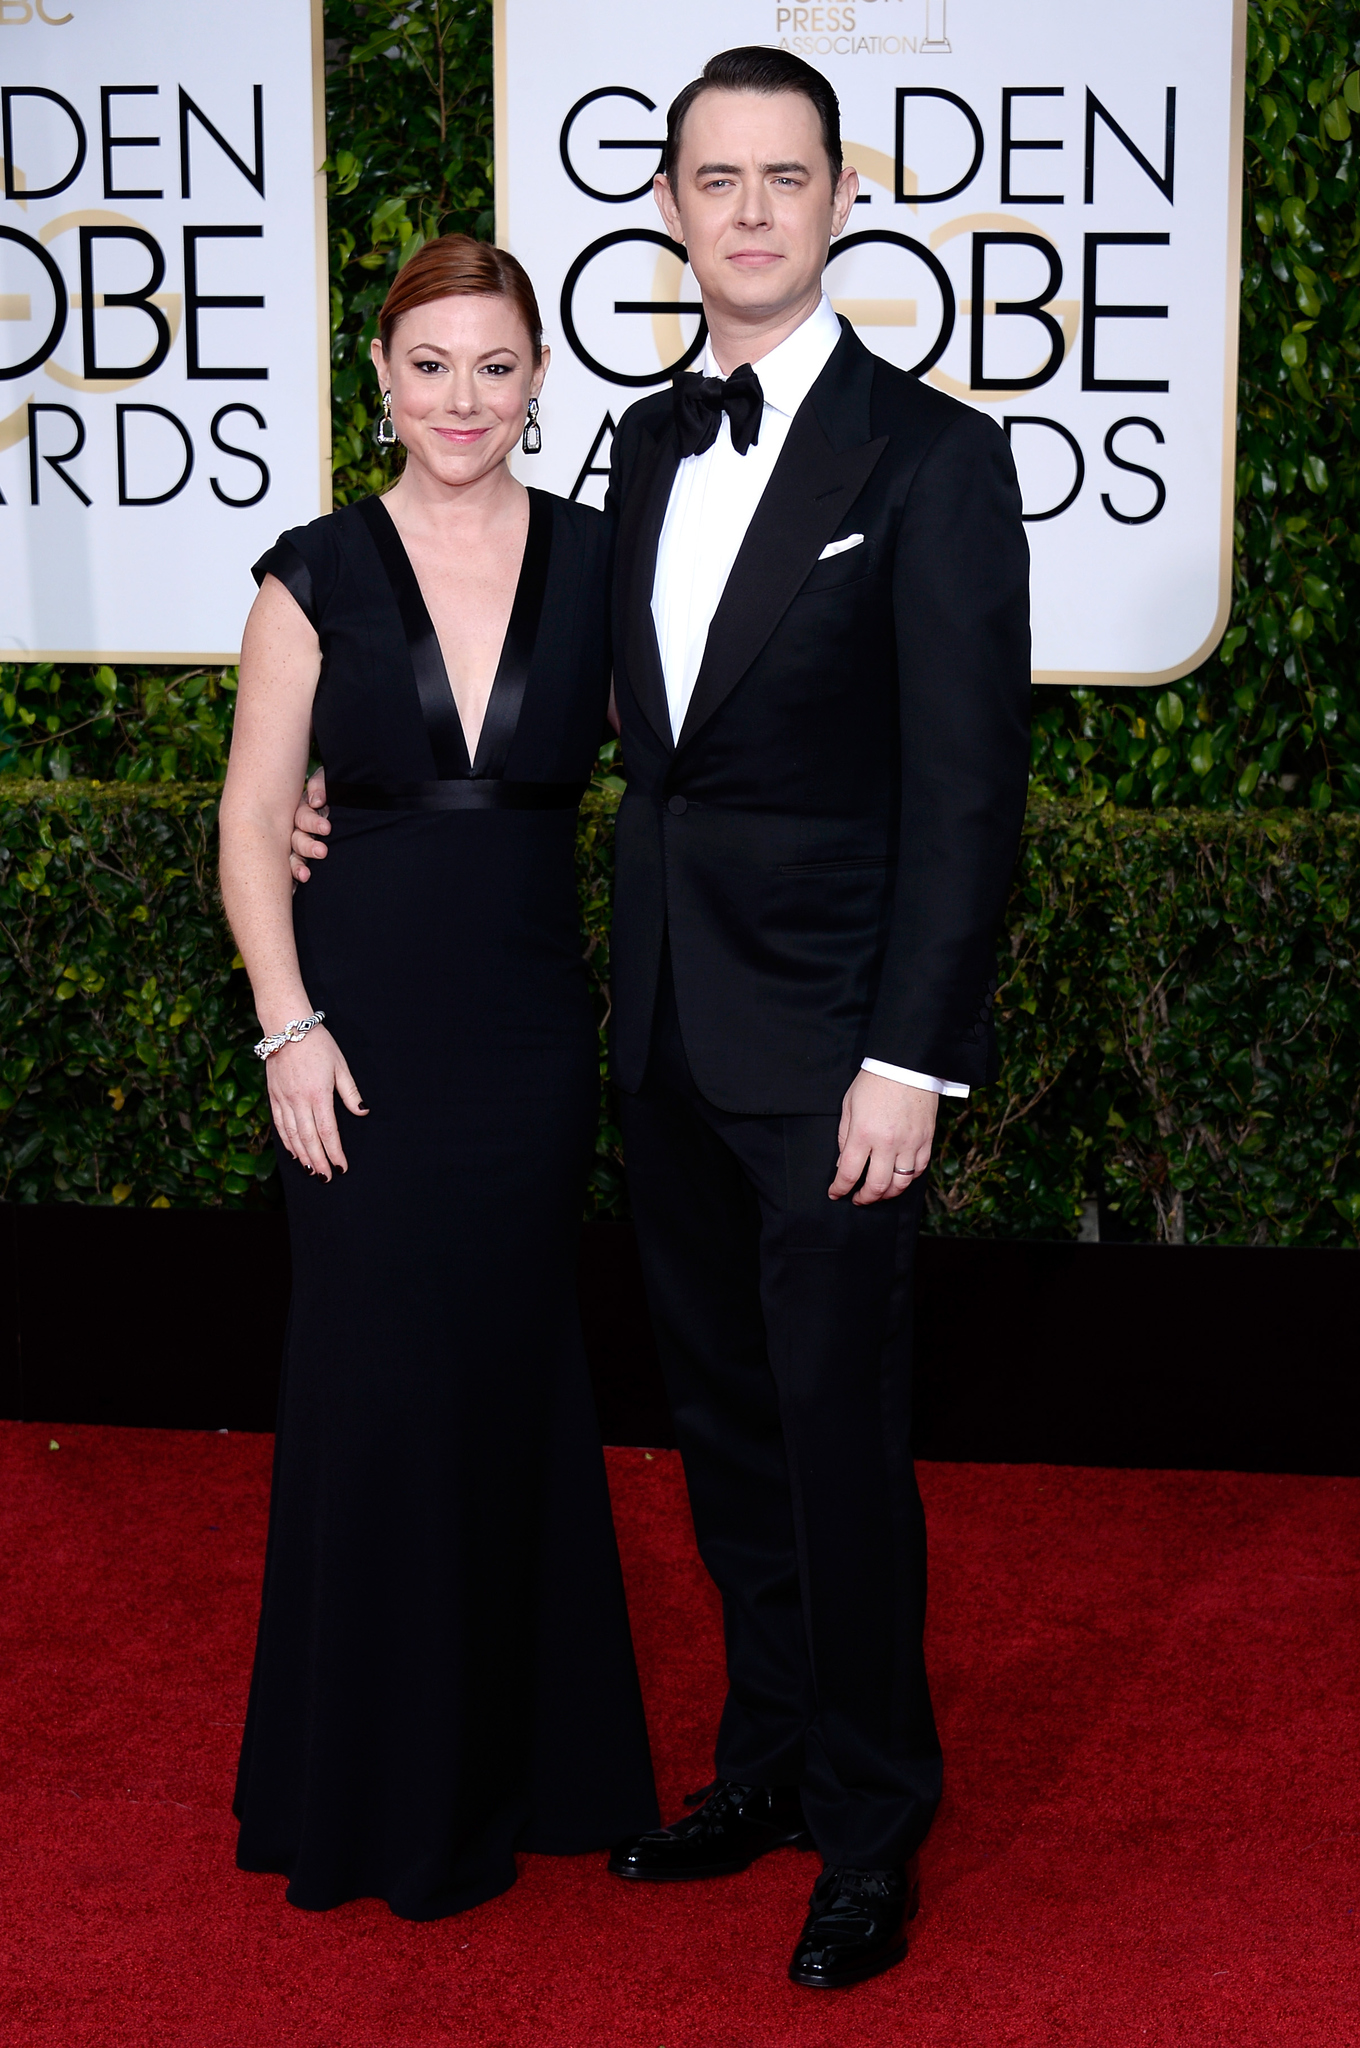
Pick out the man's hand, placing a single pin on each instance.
(888, 1126)
(310, 824)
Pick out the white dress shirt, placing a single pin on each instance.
(712, 502)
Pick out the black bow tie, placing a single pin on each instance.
(700, 403)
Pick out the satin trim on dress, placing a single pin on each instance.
(457, 793)
(438, 709)
(284, 561)
(512, 670)
(448, 741)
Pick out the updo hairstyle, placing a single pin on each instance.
(454, 265)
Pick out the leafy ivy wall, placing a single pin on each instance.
(1269, 725)
(410, 116)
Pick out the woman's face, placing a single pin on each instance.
(461, 374)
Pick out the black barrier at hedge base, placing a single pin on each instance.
(1217, 1359)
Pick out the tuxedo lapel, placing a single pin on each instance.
(641, 518)
(824, 465)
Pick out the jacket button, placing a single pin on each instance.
(677, 806)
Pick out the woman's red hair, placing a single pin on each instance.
(454, 265)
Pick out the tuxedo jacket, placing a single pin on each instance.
(829, 843)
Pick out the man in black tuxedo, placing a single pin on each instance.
(822, 677)
(822, 674)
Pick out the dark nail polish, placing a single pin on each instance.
(362, 1103)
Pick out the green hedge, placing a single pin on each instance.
(125, 1015)
(1180, 1020)
(125, 1074)
(1180, 1029)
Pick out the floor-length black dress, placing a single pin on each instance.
(444, 1672)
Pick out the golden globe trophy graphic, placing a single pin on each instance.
(935, 41)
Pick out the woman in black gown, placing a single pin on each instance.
(444, 1673)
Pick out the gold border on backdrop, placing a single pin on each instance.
(1063, 678)
(323, 345)
(111, 655)
(500, 136)
(1149, 679)
(323, 266)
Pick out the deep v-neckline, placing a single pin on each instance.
(439, 707)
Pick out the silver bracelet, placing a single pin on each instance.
(290, 1035)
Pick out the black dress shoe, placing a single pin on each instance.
(735, 1824)
(855, 1926)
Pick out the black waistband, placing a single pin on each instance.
(457, 794)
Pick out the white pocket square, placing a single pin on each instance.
(839, 547)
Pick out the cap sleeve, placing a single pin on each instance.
(285, 560)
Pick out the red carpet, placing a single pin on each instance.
(1147, 1690)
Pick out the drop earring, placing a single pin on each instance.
(531, 440)
(386, 433)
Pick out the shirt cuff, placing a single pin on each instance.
(914, 1080)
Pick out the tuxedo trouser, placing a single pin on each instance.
(783, 1322)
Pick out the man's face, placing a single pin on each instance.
(754, 201)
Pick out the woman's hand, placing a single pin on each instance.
(304, 1080)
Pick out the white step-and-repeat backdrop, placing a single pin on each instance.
(1049, 229)
(163, 318)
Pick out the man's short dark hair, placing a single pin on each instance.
(757, 70)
